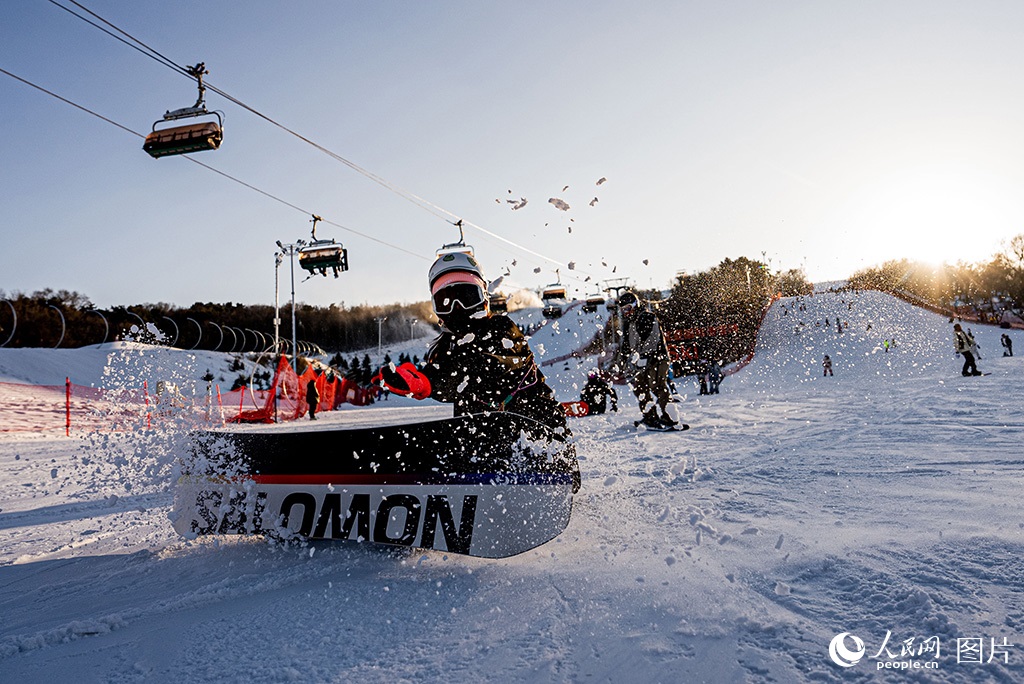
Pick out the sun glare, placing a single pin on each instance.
(936, 214)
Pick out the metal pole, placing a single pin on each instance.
(295, 335)
(380, 327)
(277, 302)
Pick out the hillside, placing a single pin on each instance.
(883, 502)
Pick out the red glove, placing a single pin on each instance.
(405, 380)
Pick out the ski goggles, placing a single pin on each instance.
(468, 296)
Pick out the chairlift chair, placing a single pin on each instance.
(554, 291)
(320, 255)
(190, 137)
(591, 303)
(498, 303)
(554, 298)
(459, 247)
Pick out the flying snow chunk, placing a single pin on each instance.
(646, 262)
(559, 204)
(593, 201)
(518, 205)
(572, 265)
(602, 179)
(537, 270)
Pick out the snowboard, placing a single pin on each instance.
(491, 485)
(576, 409)
(679, 427)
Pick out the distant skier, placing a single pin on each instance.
(480, 362)
(596, 393)
(643, 357)
(1007, 345)
(715, 376)
(965, 345)
(312, 398)
(826, 364)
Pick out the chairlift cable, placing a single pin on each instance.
(207, 166)
(133, 42)
(421, 202)
(67, 101)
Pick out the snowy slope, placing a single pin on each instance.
(882, 501)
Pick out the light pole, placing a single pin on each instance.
(290, 250)
(380, 328)
(278, 258)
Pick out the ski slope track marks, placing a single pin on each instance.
(881, 501)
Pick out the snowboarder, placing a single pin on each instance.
(715, 376)
(827, 365)
(312, 398)
(1007, 345)
(596, 392)
(643, 357)
(480, 362)
(966, 346)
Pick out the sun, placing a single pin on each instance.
(936, 213)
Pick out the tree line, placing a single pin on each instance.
(67, 319)
(716, 313)
(984, 289)
(731, 296)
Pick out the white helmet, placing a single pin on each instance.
(454, 261)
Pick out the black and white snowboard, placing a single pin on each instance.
(490, 485)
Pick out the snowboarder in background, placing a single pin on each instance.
(643, 357)
(480, 362)
(963, 342)
(714, 377)
(312, 398)
(1007, 345)
(596, 392)
(702, 377)
(826, 364)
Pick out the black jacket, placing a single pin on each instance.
(594, 393)
(642, 337)
(487, 365)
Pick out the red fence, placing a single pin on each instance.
(52, 408)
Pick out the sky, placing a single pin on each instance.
(824, 136)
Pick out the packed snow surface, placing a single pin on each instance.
(883, 502)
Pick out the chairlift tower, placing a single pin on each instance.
(290, 250)
(315, 257)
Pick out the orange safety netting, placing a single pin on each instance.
(42, 408)
(290, 388)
